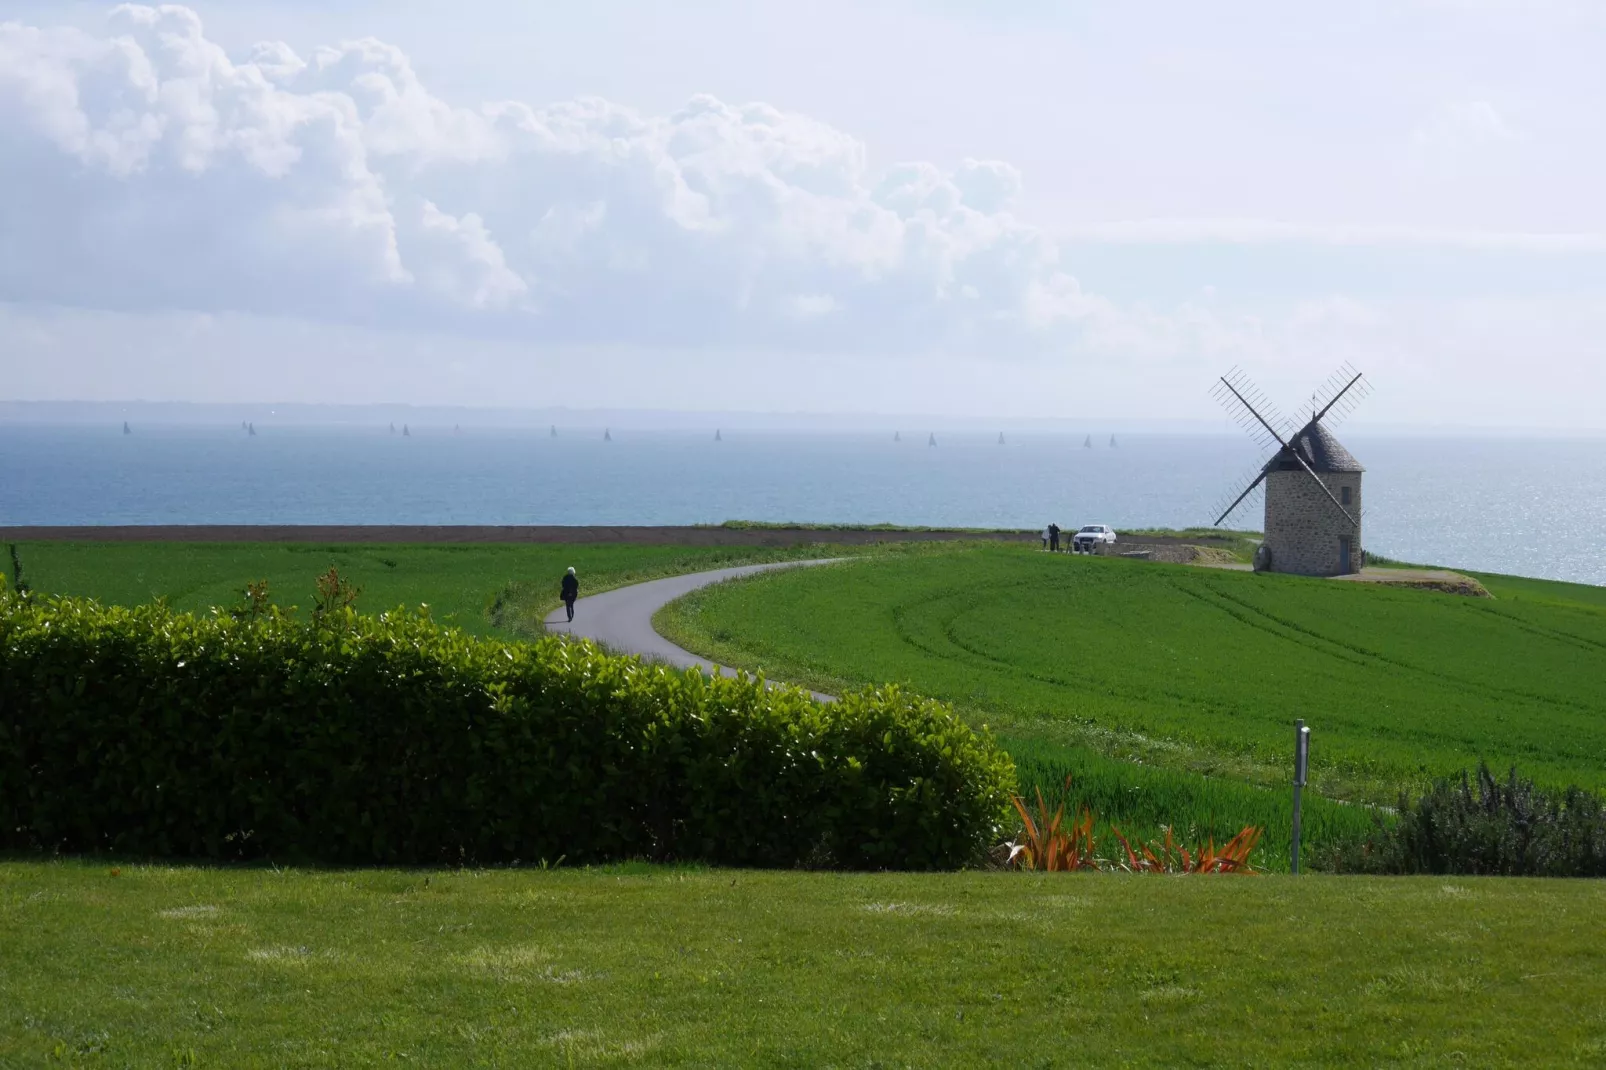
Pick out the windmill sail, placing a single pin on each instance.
(1254, 485)
(1336, 398)
(1246, 404)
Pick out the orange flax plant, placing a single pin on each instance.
(1232, 857)
(1046, 843)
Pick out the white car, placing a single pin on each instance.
(1086, 540)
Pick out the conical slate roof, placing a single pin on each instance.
(1320, 450)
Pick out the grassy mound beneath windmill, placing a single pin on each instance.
(1085, 665)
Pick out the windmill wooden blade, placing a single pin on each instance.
(1249, 408)
(1338, 397)
(1239, 500)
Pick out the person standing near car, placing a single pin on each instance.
(1046, 534)
(570, 591)
(1054, 538)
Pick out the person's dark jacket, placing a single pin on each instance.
(571, 587)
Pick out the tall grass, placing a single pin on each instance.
(1144, 800)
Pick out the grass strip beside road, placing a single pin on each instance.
(163, 966)
(484, 588)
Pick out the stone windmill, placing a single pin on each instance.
(1312, 483)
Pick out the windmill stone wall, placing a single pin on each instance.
(1303, 528)
(1306, 532)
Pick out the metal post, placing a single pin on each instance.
(1301, 770)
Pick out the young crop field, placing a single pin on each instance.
(1193, 669)
(480, 588)
(159, 966)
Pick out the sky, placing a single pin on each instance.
(1018, 211)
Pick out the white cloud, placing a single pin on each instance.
(811, 306)
(333, 201)
(472, 269)
(1430, 362)
(1464, 124)
(160, 172)
(1279, 232)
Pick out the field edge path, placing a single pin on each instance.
(621, 619)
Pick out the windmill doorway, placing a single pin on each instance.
(1344, 556)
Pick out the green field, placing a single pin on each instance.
(1194, 669)
(637, 965)
(485, 589)
(1166, 691)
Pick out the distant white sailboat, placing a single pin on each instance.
(895, 437)
(554, 430)
(126, 429)
(251, 430)
(242, 425)
(933, 440)
(457, 429)
(716, 435)
(1088, 444)
(405, 432)
(393, 428)
(1112, 443)
(1000, 438)
(606, 436)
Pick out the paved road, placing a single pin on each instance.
(621, 619)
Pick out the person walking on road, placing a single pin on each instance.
(571, 591)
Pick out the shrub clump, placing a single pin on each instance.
(389, 739)
(1481, 825)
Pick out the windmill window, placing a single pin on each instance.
(1343, 494)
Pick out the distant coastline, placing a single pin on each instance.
(659, 535)
(1534, 508)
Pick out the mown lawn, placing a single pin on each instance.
(1194, 668)
(485, 589)
(175, 966)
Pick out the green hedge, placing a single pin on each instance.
(392, 740)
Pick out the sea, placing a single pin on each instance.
(1527, 506)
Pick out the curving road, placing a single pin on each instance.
(621, 619)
